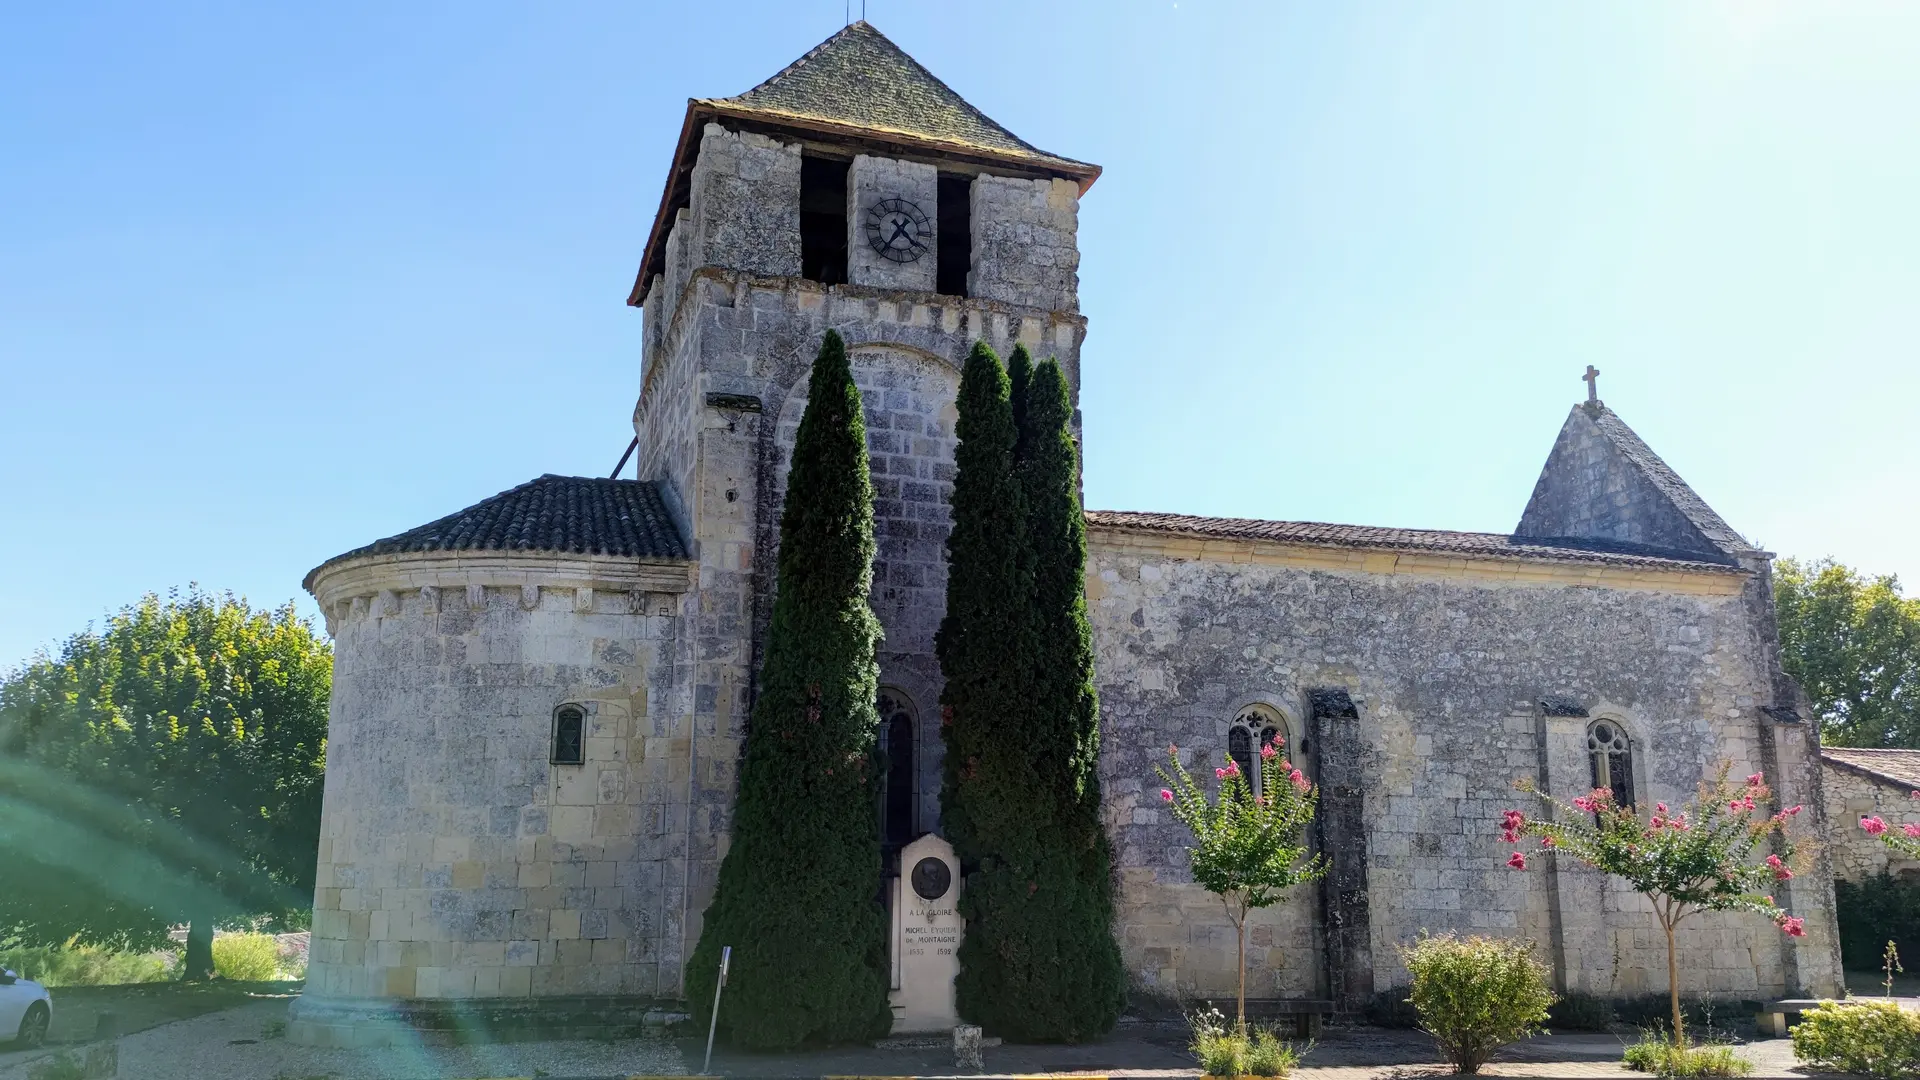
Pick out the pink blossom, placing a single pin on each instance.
(1233, 768)
(1166, 795)
(1509, 836)
(1756, 780)
(1172, 750)
(1656, 822)
(1912, 830)
(1582, 802)
(1792, 810)
(1780, 871)
(1299, 780)
(1660, 808)
(1269, 751)
(1873, 825)
(1916, 794)
(1219, 774)
(1794, 925)
(1547, 840)
(1517, 861)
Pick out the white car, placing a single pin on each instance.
(25, 1009)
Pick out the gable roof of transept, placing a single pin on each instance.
(578, 515)
(1603, 482)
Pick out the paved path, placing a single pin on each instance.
(243, 1044)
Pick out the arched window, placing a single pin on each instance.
(569, 736)
(900, 799)
(1256, 726)
(1610, 754)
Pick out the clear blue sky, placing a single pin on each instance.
(279, 279)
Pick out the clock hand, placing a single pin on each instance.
(900, 232)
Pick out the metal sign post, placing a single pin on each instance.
(726, 954)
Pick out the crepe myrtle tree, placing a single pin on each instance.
(1697, 858)
(1906, 841)
(1247, 849)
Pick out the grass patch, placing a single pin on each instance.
(85, 965)
(76, 1009)
(1655, 1054)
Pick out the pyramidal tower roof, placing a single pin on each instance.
(861, 81)
(857, 90)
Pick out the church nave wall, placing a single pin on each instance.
(1455, 683)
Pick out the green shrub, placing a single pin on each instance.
(1871, 912)
(1656, 1054)
(1269, 1055)
(85, 965)
(246, 957)
(1475, 995)
(1863, 1036)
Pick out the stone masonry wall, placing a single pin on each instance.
(1025, 246)
(456, 861)
(1852, 795)
(1446, 673)
(745, 203)
(909, 405)
(871, 180)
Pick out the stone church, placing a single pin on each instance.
(539, 700)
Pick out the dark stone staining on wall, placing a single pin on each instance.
(734, 402)
(1562, 706)
(1343, 837)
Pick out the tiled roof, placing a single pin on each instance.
(1482, 545)
(1900, 768)
(859, 79)
(1661, 475)
(576, 515)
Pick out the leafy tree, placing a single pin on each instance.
(796, 896)
(167, 769)
(1247, 850)
(1698, 859)
(1853, 641)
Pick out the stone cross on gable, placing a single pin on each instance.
(1592, 379)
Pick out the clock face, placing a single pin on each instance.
(898, 230)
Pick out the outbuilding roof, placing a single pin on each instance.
(576, 515)
(1482, 545)
(1899, 768)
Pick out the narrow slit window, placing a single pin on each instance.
(953, 239)
(569, 735)
(897, 817)
(823, 220)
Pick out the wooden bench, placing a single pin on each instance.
(1777, 1017)
(1307, 1014)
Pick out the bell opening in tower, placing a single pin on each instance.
(954, 242)
(823, 220)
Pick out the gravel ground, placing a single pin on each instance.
(233, 1045)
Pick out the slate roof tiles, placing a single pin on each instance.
(578, 515)
(1899, 768)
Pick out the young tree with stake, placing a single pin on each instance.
(1247, 849)
(1698, 858)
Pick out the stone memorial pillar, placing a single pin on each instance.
(927, 928)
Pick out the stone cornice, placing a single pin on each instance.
(336, 585)
(1478, 569)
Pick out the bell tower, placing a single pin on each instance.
(851, 191)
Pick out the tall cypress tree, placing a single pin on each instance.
(797, 893)
(1038, 961)
(1089, 981)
